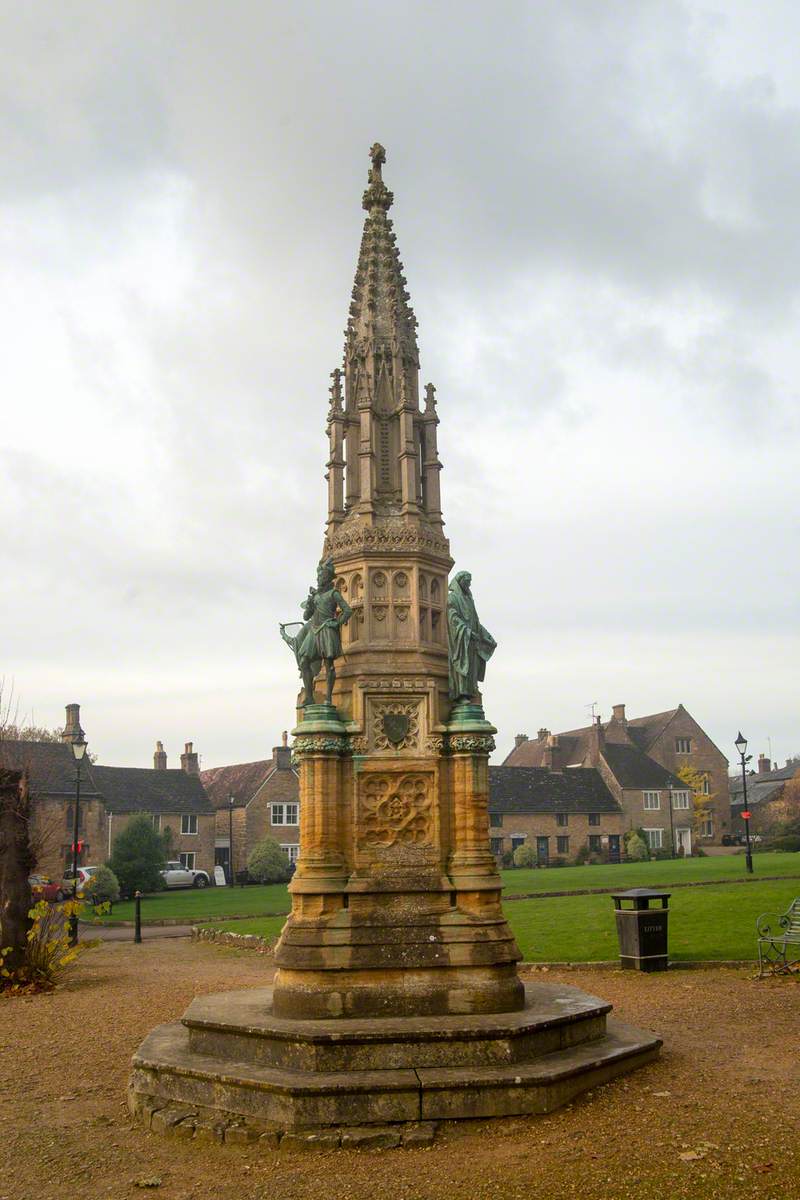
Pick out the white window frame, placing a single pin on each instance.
(156, 818)
(680, 800)
(187, 820)
(291, 850)
(655, 839)
(706, 786)
(280, 812)
(707, 828)
(651, 801)
(683, 745)
(187, 859)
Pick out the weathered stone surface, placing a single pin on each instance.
(420, 1135)
(269, 1140)
(311, 1141)
(165, 1119)
(371, 1137)
(241, 1135)
(210, 1130)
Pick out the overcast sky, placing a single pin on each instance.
(598, 207)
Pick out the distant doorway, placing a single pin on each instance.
(683, 841)
(542, 851)
(222, 858)
(613, 848)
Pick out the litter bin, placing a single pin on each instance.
(642, 929)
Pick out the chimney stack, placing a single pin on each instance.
(160, 757)
(764, 765)
(282, 755)
(551, 758)
(542, 735)
(72, 730)
(597, 739)
(189, 761)
(619, 714)
(519, 739)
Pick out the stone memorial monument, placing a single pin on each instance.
(396, 997)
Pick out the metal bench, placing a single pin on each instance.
(779, 941)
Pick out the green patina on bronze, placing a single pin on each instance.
(470, 646)
(325, 610)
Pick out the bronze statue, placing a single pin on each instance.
(324, 611)
(470, 646)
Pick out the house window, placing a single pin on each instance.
(654, 838)
(189, 823)
(517, 841)
(706, 785)
(496, 820)
(291, 851)
(707, 827)
(683, 745)
(595, 843)
(562, 819)
(594, 818)
(562, 845)
(680, 799)
(652, 799)
(284, 814)
(71, 818)
(156, 819)
(187, 860)
(496, 846)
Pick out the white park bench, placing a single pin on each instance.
(779, 941)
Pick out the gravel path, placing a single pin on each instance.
(726, 1091)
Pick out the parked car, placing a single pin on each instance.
(175, 875)
(43, 888)
(84, 875)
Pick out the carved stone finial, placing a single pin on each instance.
(377, 196)
(336, 391)
(430, 397)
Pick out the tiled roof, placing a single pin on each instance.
(762, 787)
(50, 765)
(143, 789)
(633, 769)
(645, 730)
(241, 780)
(536, 789)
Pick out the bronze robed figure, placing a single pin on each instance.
(325, 610)
(470, 646)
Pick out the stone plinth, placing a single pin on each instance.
(232, 1059)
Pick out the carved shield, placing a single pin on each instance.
(395, 726)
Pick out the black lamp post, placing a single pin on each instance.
(78, 750)
(671, 821)
(741, 746)
(230, 837)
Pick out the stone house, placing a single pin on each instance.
(253, 801)
(639, 759)
(768, 798)
(557, 812)
(110, 796)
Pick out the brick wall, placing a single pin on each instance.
(535, 825)
(201, 844)
(281, 787)
(53, 831)
(702, 756)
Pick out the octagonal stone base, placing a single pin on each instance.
(231, 1060)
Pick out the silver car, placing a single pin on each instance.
(175, 875)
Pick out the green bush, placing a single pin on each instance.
(524, 856)
(636, 848)
(788, 841)
(582, 856)
(138, 856)
(103, 887)
(268, 863)
(506, 859)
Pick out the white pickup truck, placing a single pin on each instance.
(175, 875)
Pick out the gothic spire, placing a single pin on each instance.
(380, 311)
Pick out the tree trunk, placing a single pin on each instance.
(17, 860)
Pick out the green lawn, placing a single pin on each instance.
(199, 906)
(648, 874)
(706, 923)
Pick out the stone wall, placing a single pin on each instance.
(534, 825)
(703, 756)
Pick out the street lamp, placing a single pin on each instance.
(230, 836)
(741, 746)
(671, 820)
(78, 751)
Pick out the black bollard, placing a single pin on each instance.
(137, 920)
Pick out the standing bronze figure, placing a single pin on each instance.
(325, 610)
(470, 646)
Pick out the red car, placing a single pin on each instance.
(43, 888)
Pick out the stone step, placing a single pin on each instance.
(167, 1070)
(240, 1026)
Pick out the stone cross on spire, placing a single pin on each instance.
(377, 197)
